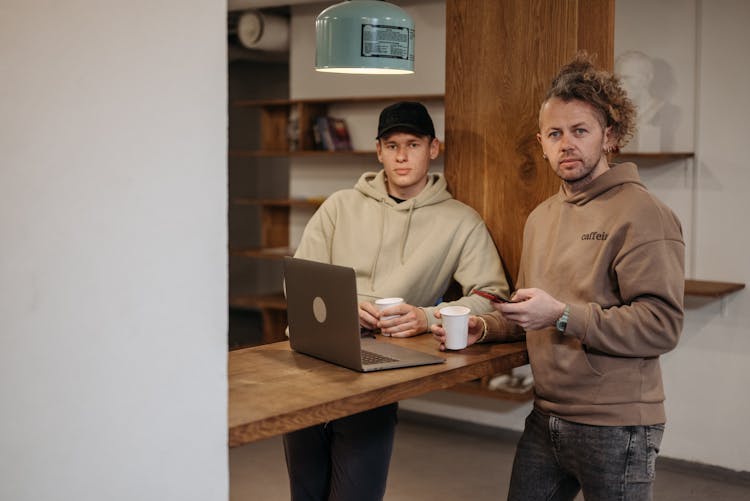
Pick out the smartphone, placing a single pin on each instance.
(491, 296)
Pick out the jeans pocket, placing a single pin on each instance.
(654, 434)
(644, 447)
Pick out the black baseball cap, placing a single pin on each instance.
(405, 115)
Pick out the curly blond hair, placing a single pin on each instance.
(581, 80)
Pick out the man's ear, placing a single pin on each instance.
(378, 150)
(539, 140)
(434, 148)
(610, 143)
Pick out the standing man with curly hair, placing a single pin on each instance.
(600, 297)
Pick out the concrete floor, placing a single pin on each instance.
(442, 461)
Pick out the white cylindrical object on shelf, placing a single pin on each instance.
(259, 31)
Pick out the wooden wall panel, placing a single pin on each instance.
(500, 58)
(596, 32)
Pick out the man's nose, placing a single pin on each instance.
(401, 154)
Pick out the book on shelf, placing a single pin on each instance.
(331, 134)
(340, 134)
(292, 129)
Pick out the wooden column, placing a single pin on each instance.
(501, 56)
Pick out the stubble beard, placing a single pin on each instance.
(580, 181)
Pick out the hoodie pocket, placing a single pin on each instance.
(620, 378)
(562, 372)
(566, 371)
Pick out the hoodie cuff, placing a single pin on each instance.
(484, 330)
(500, 330)
(431, 320)
(577, 321)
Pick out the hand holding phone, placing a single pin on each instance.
(491, 296)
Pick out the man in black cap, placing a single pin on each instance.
(405, 236)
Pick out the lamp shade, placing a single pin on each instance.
(364, 36)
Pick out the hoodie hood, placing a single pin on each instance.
(617, 175)
(373, 185)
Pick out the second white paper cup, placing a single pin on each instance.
(456, 325)
(387, 302)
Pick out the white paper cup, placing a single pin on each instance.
(456, 325)
(387, 302)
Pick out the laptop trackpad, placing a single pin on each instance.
(400, 355)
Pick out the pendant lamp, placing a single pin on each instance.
(364, 36)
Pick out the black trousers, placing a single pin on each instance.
(342, 460)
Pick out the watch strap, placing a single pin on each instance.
(562, 322)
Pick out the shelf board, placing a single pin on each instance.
(676, 155)
(273, 301)
(706, 288)
(263, 253)
(254, 103)
(479, 388)
(307, 153)
(297, 153)
(287, 202)
(652, 159)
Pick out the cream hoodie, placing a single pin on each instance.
(410, 249)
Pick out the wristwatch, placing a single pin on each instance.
(562, 322)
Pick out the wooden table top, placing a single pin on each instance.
(275, 390)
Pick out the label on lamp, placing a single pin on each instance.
(387, 41)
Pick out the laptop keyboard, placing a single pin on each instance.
(369, 358)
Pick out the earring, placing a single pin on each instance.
(544, 156)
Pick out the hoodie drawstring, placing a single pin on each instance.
(383, 208)
(407, 226)
(404, 237)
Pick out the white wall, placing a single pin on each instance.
(666, 34)
(706, 377)
(113, 261)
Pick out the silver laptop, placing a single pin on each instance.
(324, 320)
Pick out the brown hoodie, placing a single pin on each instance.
(615, 254)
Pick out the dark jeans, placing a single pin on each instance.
(556, 458)
(342, 460)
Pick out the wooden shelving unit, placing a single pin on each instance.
(274, 224)
(273, 311)
(274, 246)
(275, 118)
(275, 141)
